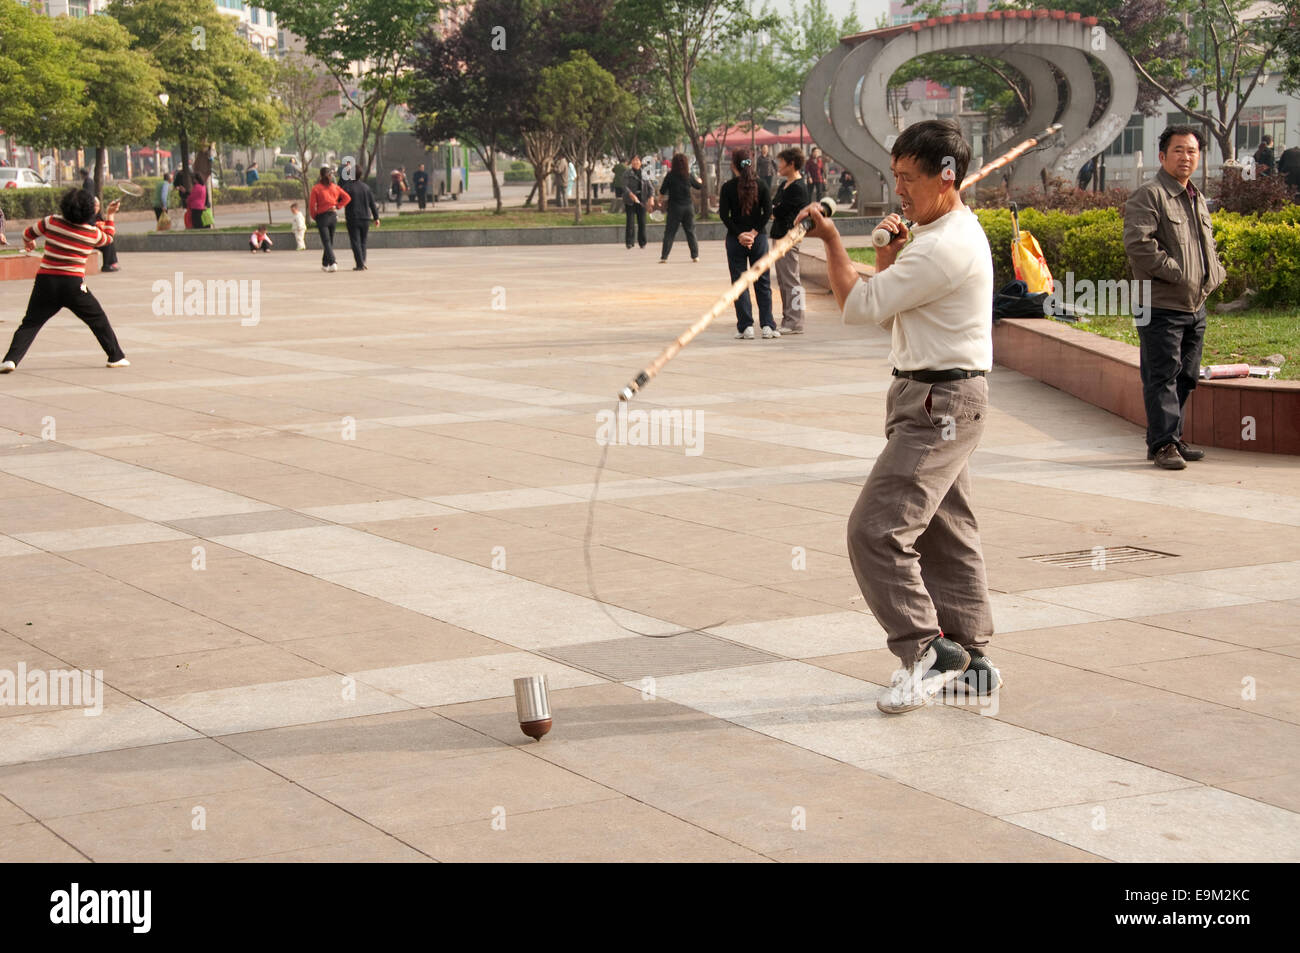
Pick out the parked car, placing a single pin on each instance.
(21, 178)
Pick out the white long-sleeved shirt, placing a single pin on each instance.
(936, 299)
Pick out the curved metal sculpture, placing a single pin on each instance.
(845, 95)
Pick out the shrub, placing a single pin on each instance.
(1264, 256)
(519, 171)
(1058, 196)
(30, 203)
(1264, 193)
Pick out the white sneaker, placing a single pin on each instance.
(769, 333)
(122, 363)
(334, 267)
(7, 367)
(324, 267)
(747, 334)
(915, 687)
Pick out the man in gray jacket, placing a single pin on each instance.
(1170, 247)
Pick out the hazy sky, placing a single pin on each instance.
(868, 10)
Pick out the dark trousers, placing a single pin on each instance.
(357, 234)
(108, 253)
(1170, 353)
(263, 245)
(636, 212)
(50, 295)
(325, 223)
(421, 196)
(685, 216)
(739, 258)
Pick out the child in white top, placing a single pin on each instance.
(299, 227)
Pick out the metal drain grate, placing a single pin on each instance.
(1085, 558)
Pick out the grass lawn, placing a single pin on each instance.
(1244, 338)
(510, 218)
(866, 256)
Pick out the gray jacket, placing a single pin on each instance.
(1171, 243)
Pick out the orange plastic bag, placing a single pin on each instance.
(1030, 265)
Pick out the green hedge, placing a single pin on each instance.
(37, 203)
(1257, 251)
(29, 203)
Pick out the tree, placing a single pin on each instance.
(581, 100)
(121, 87)
(1289, 48)
(764, 80)
(218, 86)
(679, 34)
(468, 83)
(1180, 46)
(381, 34)
(810, 32)
(299, 94)
(43, 100)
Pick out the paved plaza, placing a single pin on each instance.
(309, 544)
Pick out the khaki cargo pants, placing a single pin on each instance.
(913, 539)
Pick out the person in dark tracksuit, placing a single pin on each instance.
(360, 212)
(108, 253)
(680, 210)
(638, 193)
(421, 182)
(744, 205)
(70, 238)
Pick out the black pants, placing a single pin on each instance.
(421, 197)
(325, 223)
(637, 212)
(683, 215)
(357, 233)
(1170, 354)
(50, 295)
(108, 253)
(264, 245)
(739, 258)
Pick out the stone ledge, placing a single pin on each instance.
(24, 267)
(1104, 372)
(206, 240)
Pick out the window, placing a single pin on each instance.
(1129, 140)
(1256, 122)
(231, 4)
(255, 15)
(79, 8)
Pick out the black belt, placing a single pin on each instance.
(934, 377)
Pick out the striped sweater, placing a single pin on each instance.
(67, 246)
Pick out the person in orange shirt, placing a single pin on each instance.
(325, 201)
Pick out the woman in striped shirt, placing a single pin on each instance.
(70, 237)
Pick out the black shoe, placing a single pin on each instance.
(980, 680)
(1168, 457)
(1189, 453)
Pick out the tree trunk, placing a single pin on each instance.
(529, 201)
(184, 143)
(491, 161)
(101, 163)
